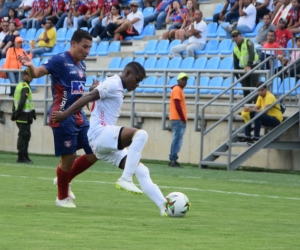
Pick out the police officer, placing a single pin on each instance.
(23, 114)
(245, 57)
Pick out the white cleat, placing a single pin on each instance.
(128, 186)
(70, 193)
(67, 202)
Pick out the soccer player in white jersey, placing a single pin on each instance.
(109, 141)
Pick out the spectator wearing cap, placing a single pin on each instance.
(294, 17)
(133, 25)
(246, 58)
(283, 35)
(9, 39)
(12, 62)
(178, 117)
(4, 26)
(197, 37)
(246, 22)
(10, 4)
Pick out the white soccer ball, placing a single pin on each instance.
(177, 204)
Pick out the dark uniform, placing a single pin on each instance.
(23, 114)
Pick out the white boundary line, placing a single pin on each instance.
(168, 187)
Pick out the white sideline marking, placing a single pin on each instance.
(169, 187)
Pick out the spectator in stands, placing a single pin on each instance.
(9, 39)
(228, 15)
(27, 22)
(133, 26)
(99, 32)
(46, 40)
(294, 55)
(261, 37)
(197, 37)
(262, 7)
(77, 11)
(246, 58)
(12, 14)
(283, 35)
(175, 16)
(246, 22)
(46, 9)
(294, 17)
(159, 14)
(12, 62)
(4, 26)
(178, 117)
(59, 24)
(281, 11)
(187, 20)
(92, 13)
(9, 4)
(24, 9)
(272, 118)
(58, 9)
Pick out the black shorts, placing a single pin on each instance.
(131, 32)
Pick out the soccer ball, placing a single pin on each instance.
(177, 204)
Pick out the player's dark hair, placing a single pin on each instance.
(81, 34)
(137, 68)
(261, 83)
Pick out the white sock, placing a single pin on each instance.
(148, 187)
(134, 154)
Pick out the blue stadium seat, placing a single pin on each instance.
(218, 9)
(67, 47)
(45, 59)
(150, 63)
(42, 80)
(140, 88)
(36, 61)
(190, 83)
(100, 78)
(173, 82)
(58, 48)
(38, 33)
(226, 63)
(225, 47)
(276, 86)
(287, 84)
(203, 82)
(34, 81)
(213, 63)
(140, 60)
(125, 61)
(89, 82)
(216, 82)
(200, 63)
(160, 82)
(149, 30)
(150, 48)
(212, 30)
(26, 46)
(162, 47)
(151, 80)
(289, 44)
(187, 63)
(171, 45)
(221, 32)
(22, 33)
(93, 50)
(211, 47)
(227, 82)
(114, 46)
(175, 63)
(61, 34)
(2, 62)
(30, 34)
(255, 31)
(69, 34)
(162, 63)
(102, 48)
(115, 63)
(148, 11)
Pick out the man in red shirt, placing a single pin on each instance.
(77, 11)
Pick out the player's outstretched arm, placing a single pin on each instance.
(34, 72)
(58, 116)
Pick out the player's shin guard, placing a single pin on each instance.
(149, 188)
(134, 154)
(62, 183)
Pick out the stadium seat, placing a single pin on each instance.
(22, 33)
(200, 63)
(58, 48)
(227, 82)
(41, 80)
(162, 46)
(140, 88)
(168, 50)
(160, 82)
(151, 80)
(102, 48)
(45, 59)
(26, 46)
(225, 47)
(38, 33)
(125, 61)
(190, 83)
(162, 63)
(89, 82)
(30, 34)
(289, 44)
(276, 86)
(69, 34)
(187, 63)
(67, 47)
(221, 32)
(149, 30)
(216, 82)
(140, 60)
(213, 63)
(36, 61)
(150, 48)
(212, 30)
(211, 47)
(2, 62)
(148, 11)
(175, 63)
(203, 82)
(60, 35)
(287, 84)
(226, 63)
(115, 63)
(255, 31)
(114, 46)
(218, 9)
(150, 63)
(93, 49)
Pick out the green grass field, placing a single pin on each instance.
(230, 210)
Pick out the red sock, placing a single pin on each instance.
(80, 165)
(62, 183)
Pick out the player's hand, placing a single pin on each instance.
(25, 60)
(247, 69)
(247, 109)
(57, 116)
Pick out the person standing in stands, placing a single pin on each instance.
(246, 58)
(178, 118)
(23, 114)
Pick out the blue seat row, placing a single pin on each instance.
(175, 63)
(280, 87)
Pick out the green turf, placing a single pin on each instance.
(230, 210)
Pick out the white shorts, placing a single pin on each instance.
(104, 143)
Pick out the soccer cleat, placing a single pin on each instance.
(70, 193)
(67, 202)
(163, 210)
(128, 186)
